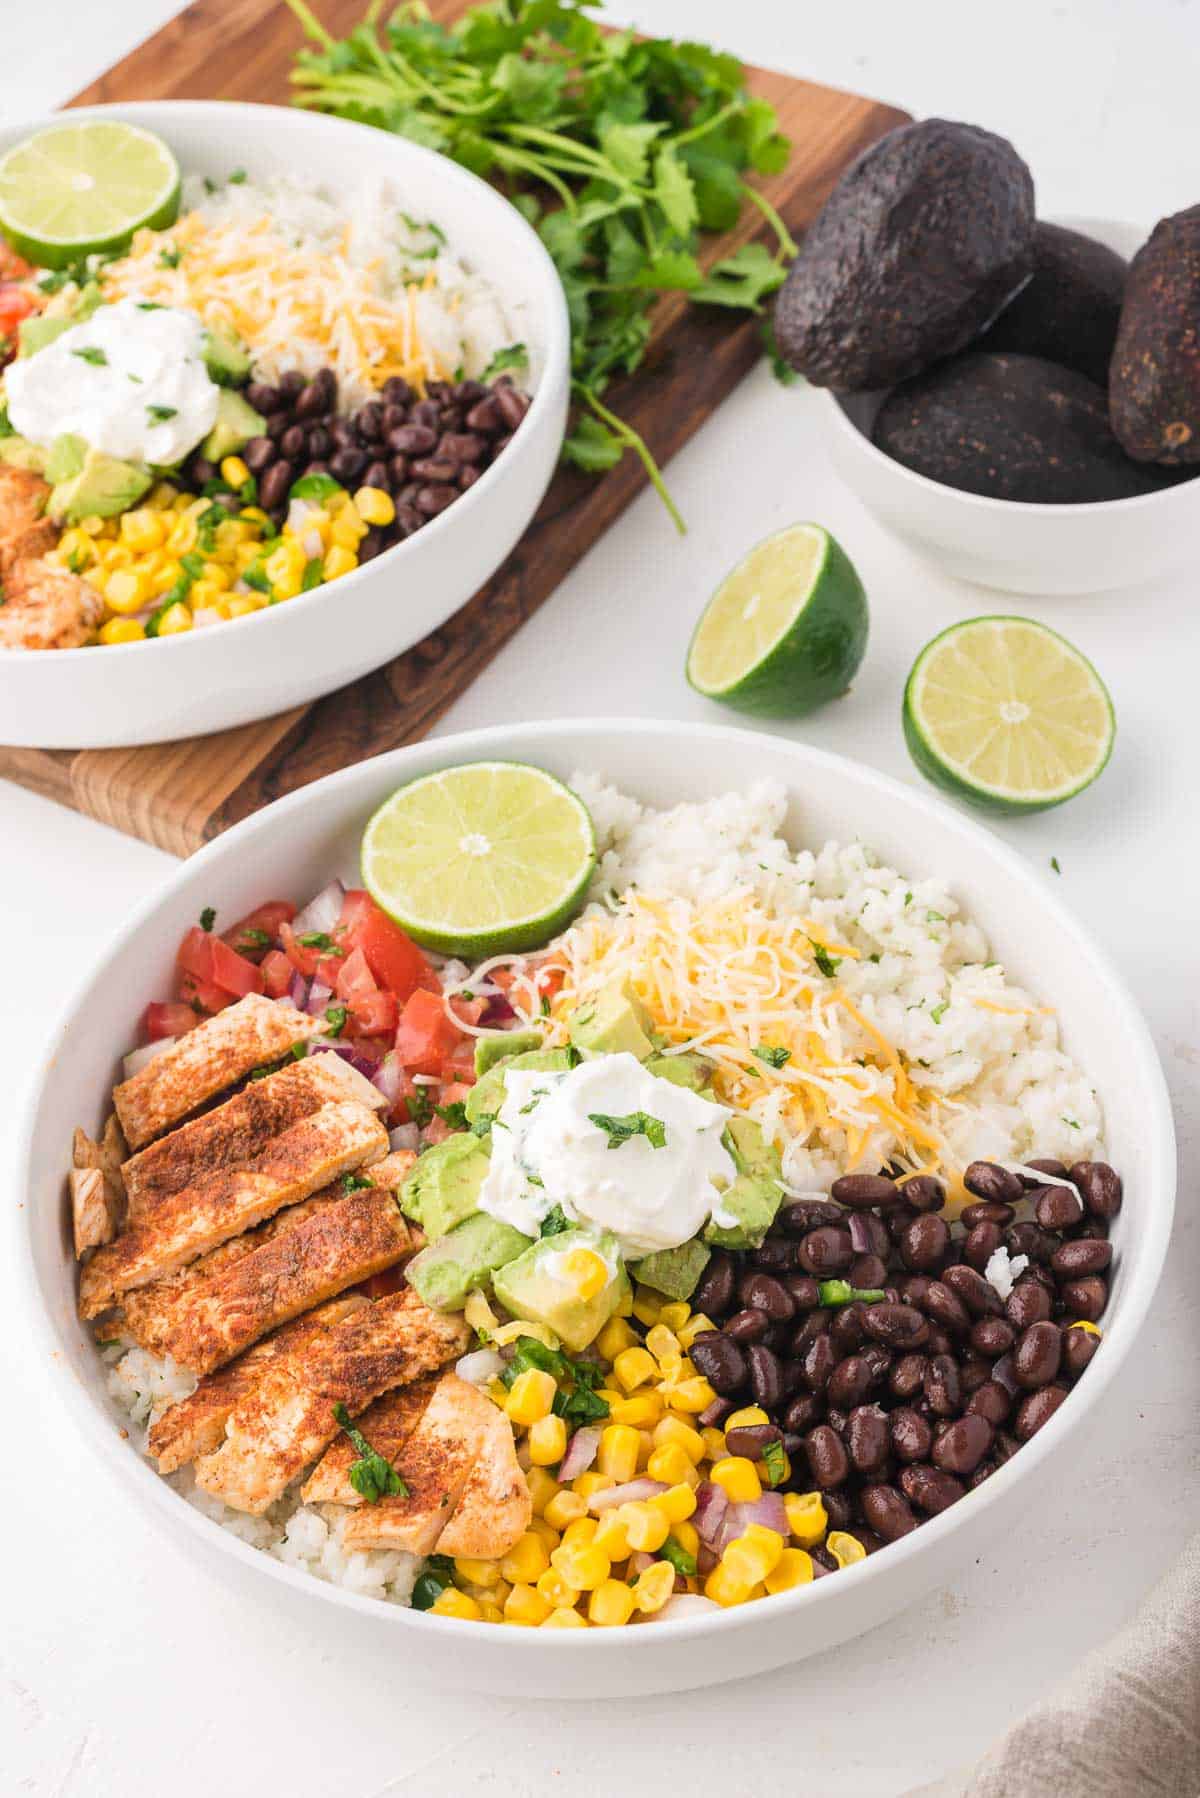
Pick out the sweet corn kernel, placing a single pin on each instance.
(531, 1396)
(339, 561)
(287, 586)
(633, 1367)
(525, 1560)
(693, 1395)
(687, 1536)
(450, 1602)
(217, 575)
(676, 1504)
(476, 1572)
(547, 1441)
(545, 1532)
(696, 1325)
(78, 546)
(374, 505)
(182, 536)
(674, 1431)
(125, 590)
(793, 1568)
(542, 1488)
(737, 1476)
(579, 1532)
(611, 1537)
(505, 1333)
(646, 1305)
(142, 529)
(714, 1442)
(768, 1542)
(746, 1418)
(653, 1587)
(1090, 1329)
(240, 605)
(674, 1315)
(122, 630)
(204, 593)
(645, 1449)
(587, 1271)
(844, 1548)
(646, 1528)
(615, 1336)
(524, 1605)
(553, 1587)
(807, 1517)
(618, 1453)
(663, 1343)
(490, 1613)
(588, 1484)
(347, 532)
(625, 1303)
(255, 515)
(234, 472)
(725, 1588)
(94, 525)
(669, 1463)
(564, 1507)
(160, 496)
(175, 619)
(611, 1604)
(746, 1565)
(643, 1410)
(563, 1618)
(500, 1591)
(583, 1566)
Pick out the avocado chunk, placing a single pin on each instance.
(444, 1184)
(446, 1272)
(532, 1287)
(754, 1196)
(923, 240)
(690, 1071)
(487, 1095)
(41, 328)
(18, 452)
(1012, 427)
(103, 487)
(226, 358)
(1154, 381)
(502, 1046)
(236, 423)
(613, 1023)
(675, 1272)
(1070, 311)
(65, 457)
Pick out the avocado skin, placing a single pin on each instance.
(1011, 427)
(1070, 310)
(921, 243)
(1154, 380)
(502, 1046)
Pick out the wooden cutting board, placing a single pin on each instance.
(180, 795)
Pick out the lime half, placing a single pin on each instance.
(785, 631)
(482, 858)
(1007, 714)
(79, 189)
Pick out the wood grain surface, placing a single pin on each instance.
(180, 795)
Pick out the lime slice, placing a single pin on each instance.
(482, 858)
(785, 631)
(81, 189)
(1007, 714)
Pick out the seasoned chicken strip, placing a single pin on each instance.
(97, 1188)
(387, 1425)
(334, 1243)
(25, 531)
(225, 1201)
(495, 1508)
(285, 1423)
(196, 1425)
(435, 1465)
(46, 607)
(216, 1054)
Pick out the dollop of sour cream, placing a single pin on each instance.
(546, 1151)
(130, 380)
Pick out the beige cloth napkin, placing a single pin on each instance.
(1125, 1724)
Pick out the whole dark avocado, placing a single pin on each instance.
(917, 248)
(1154, 379)
(1070, 310)
(1011, 427)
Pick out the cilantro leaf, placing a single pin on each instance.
(335, 1019)
(514, 355)
(827, 963)
(555, 1222)
(776, 1462)
(158, 415)
(775, 1055)
(208, 917)
(674, 191)
(635, 1123)
(372, 1475)
(93, 355)
(454, 1114)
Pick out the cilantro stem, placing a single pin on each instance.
(637, 444)
(787, 242)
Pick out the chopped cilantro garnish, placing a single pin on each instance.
(576, 1401)
(774, 1055)
(935, 917)
(679, 1557)
(544, 1006)
(372, 1475)
(92, 355)
(554, 1222)
(208, 917)
(635, 1123)
(483, 1125)
(160, 414)
(828, 964)
(354, 1183)
(170, 257)
(938, 1012)
(454, 1114)
(335, 1019)
(419, 1107)
(776, 1462)
(319, 939)
(237, 177)
(1054, 864)
(514, 355)
(254, 938)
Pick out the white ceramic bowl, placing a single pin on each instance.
(291, 849)
(225, 675)
(1009, 544)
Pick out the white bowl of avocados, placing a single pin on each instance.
(294, 846)
(285, 655)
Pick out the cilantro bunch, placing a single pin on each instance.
(622, 152)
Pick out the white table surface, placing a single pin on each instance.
(124, 1668)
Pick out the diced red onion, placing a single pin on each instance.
(362, 1064)
(297, 992)
(769, 1511)
(318, 998)
(582, 1450)
(716, 1413)
(639, 1561)
(1005, 1374)
(706, 1560)
(712, 1502)
(139, 1058)
(404, 1136)
(322, 912)
(860, 1234)
(498, 1012)
(389, 1077)
(632, 1492)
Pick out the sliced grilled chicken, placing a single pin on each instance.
(25, 531)
(47, 607)
(387, 1425)
(97, 1188)
(204, 1318)
(286, 1422)
(435, 1464)
(495, 1508)
(196, 1425)
(216, 1054)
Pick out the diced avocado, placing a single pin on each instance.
(691, 1071)
(446, 1272)
(502, 1046)
(530, 1287)
(65, 457)
(226, 358)
(103, 487)
(612, 1023)
(18, 452)
(41, 328)
(755, 1195)
(487, 1095)
(675, 1272)
(236, 423)
(444, 1183)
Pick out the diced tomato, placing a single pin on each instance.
(381, 1286)
(393, 958)
(255, 934)
(426, 1037)
(459, 1065)
(374, 1014)
(354, 977)
(15, 304)
(210, 958)
(311, 959)
(469, 1010)
(277, 972)
(202, 993)
(170, 1017)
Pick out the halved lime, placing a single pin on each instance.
(1007, 714)
(785, 631)
(481, 858)
(81, 189)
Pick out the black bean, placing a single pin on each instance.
(912, 1289)
(747, 1326)
(849, 1382)
(396, 391)
(930, 1489)
(467, 476)
(294, 442)
(907, 1376)
(461, 446)
(751, 1439)
(320, 443)
(429, 468)
(1100, 1186)
(896, 1326)
(924, 1243)
(803, 1412)
(1075, 1260)
(980, 1298)
(274, 485)
(963, 1444)
(263, 398)
(943, 1387)
(938, 1342)
(343, 433)
(943, 1304)
(721, 1362)
(1086, 1298)
(1036, 1409)
(1037, 1355)
(988, 1180)
(868, 1440)
(408, 519)
(887, 1511)
(427, 413)
(911, 1435)
(411, 440)
(766, 1375)
(992, 1336)
(1052, 1170)
(990, 1401)
(825, 1252)
(811, 1327)
(714, 1295)
(828, 1461)
(924, 1193)
(818, 1363)
(371, 546)
(846, 1331)
(320, 466)
(1028, 1303)
(316, 398)
(434, 498)
(1078, 1348)
(1058, 1208)
(511, 405)
(368, 422)
(774, 1256)
(291, 383)
(981, 1244)
(986, 1211)
(203, 471)
(1028, 1238)
(376, 474)
(878, 1360)
(258, 454)
(864, 1191)
(761, 1292)
(897, 1220)
(804, 1291)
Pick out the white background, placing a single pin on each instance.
(124, 1668)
